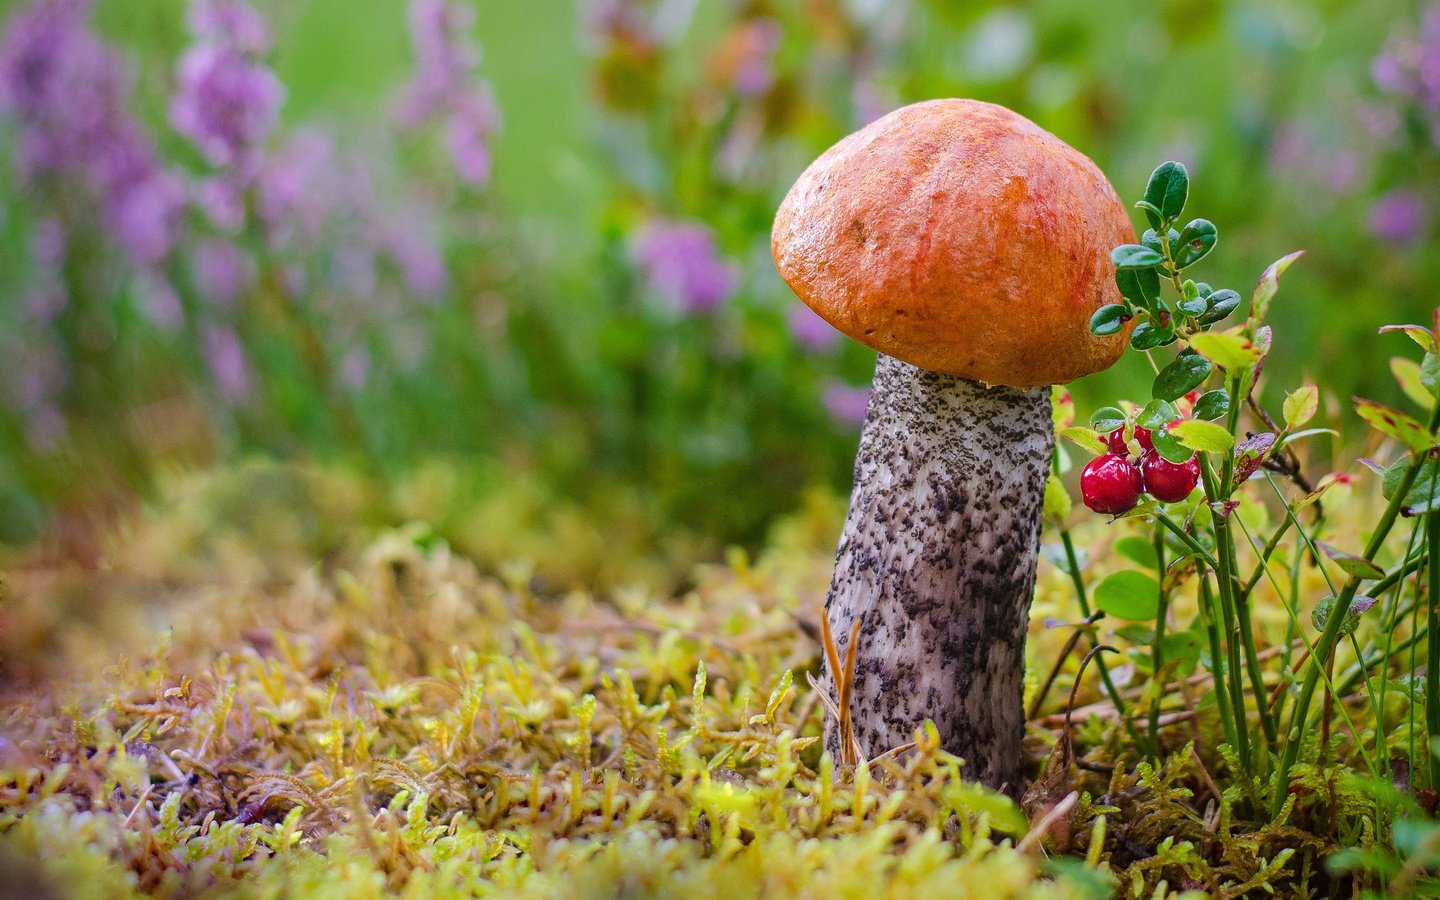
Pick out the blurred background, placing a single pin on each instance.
(504, 266)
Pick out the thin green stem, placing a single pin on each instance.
(1187, 539)
(1072, 561)
(1235, 632)
(1157, 656)
(1432, 673)
(1294, 737)
(1217, 657)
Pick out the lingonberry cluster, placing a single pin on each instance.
(1113, 482)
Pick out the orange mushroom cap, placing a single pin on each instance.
(960, 237)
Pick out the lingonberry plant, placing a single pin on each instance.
(1204, 425)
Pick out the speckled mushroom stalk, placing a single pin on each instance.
(938, 560)
(954, 237)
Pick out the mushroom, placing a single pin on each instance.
(970, 248)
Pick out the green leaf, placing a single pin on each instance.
(1196, 240)
(1424, 493)
(1057, 503)
(1307, 432)
(1140, 286)
(1138, 550)
(1135, 256)
(1152, 240)
(1269, 284)
(1185, 373)
(1147, 337)
(1321, 616)
(1395, 424)
(1147, 206)
(1084, 438)
(1222, 303)
(1194, 307)
(1300, 405)
(1232, 350)
(1417, 333)
(1168, 446)
(1109, 319)
(1167, 190)
(1430, 374)
(1106, 419)
(1129, 595)
(1350, 564)
(1198, 434)
(1212, 404)
(1156, 414)
(1407, 375)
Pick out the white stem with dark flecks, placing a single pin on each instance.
(938, 557)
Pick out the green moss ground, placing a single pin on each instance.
(290, 704)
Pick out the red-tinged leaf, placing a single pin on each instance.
(1350, 564)
(1395, 424)
(1269, 285)
(1251, 454)
(1325, 484)
(1223, 510)
(1407, 375)
(1417, 333)
(1062, 407)
(1372, 465)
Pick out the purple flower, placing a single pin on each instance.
(809, 330)
(222, 272)
(49, 243)
(300, 187)
(44, 303)
(417, 254)
(1409, 66)
(355, 368)
(232, 23)
(845, 403)
(445, 87)
(468, 132)
(1398, 217)
(755, 69)
(69, 94)
(682, 264)
(145, 216)
(226, 101)
(223, 200)
(225, 357)
(159, 301)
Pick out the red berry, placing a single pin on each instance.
(1166, 481)
(1143, 436)
(1115, 441)
(1110, 484)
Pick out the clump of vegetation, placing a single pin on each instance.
(394, 719)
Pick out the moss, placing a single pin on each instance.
(396, 720)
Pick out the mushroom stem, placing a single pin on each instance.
(937, 560)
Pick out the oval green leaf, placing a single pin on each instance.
(1135, 256)
(1212, 404)
(1196, 240)
(1207, 437)
(1185, 373)
(1167, 190)
(1109, 319)
(1129, 595)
